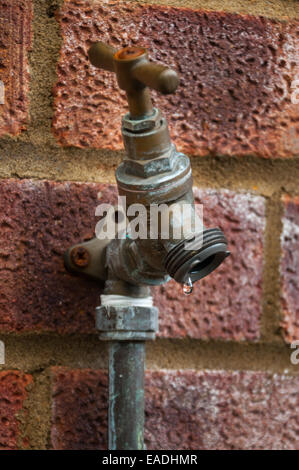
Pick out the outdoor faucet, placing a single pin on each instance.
(152, 174)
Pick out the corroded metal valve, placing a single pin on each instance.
(135, 73)
(153, 174)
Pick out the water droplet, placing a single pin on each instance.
(188, 287)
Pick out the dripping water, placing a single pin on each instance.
(188, 287)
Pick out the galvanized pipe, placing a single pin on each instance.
(126, 395)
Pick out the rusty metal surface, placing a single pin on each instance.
(129, 53)
(80, 257)
(134, 74)
(88, 259)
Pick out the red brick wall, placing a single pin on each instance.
(15, 40)
(219, 374)
(235, 76)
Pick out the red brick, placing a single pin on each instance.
(227, 303)
(236, 75)
(184, 410)
(289, 268)
(39, 220)
(15, 43)
(79, 411)
(13, 393)
(222, 410)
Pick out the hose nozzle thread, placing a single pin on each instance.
(197, 256)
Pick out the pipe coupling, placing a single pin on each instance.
(129, 319)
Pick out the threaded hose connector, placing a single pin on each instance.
(197, 256)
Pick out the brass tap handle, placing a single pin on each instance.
(134, 74)
(101, 56)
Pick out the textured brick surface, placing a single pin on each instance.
(236, 76)
(227, 303)
(289, 268)
(79, 419)
(39, 220)
(15, 42)
(13, 392)
(184, 410)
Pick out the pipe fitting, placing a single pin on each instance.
(153, 173)
(205, 253)
(123, 318)
(147, 143)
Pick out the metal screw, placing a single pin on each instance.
(80, 257)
